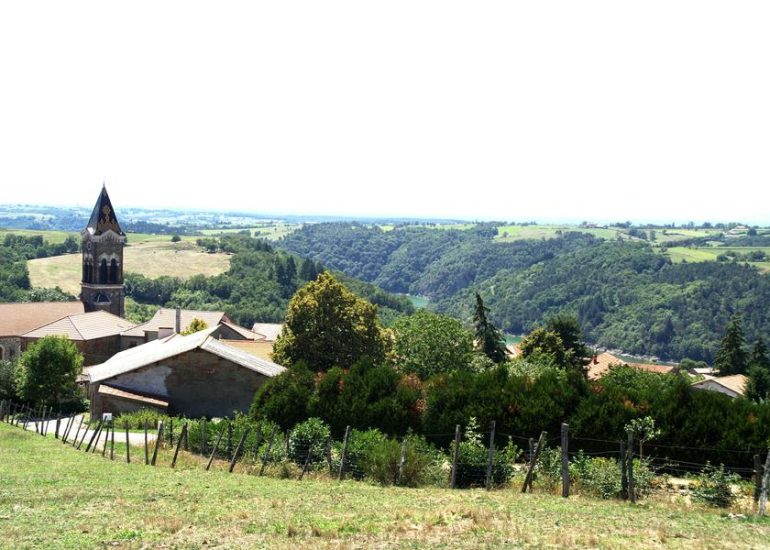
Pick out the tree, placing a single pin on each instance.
(731, 357)
(48, 370)
(327, 325)
(759, 357)
(643, 429)
(758, 386)
(7, 379)
(428, 343)
(489, 339)
(175, 238)
(544, 345)
(195, 325)
(568, 329)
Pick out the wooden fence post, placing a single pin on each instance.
(565, 460)
(765, 482)
(401, 461)
(455, 456)
(204, 434)
(630, 458)
(58, 425)
(170, 431)
(146, 445)
(96, 433)
(490, 455)
(238, 449)
(77, 432)
(178, 444)
(106, 437)
(66, 430)
(43, 425)
(344, 456)
(329, 456)
(128, 446)
(533, 462)
(85, 433)
(757, 477)
(158, 441)
(623, 471)
(267, 453)
(216, 446)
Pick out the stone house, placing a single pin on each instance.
(195, 375)
(18, 319)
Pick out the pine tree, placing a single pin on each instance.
(758, 386)
(759, 357)
(731, 357)
(489, 339)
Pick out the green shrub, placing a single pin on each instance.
(309, 437)
(136, 420)
(714, 486)
(473, 458)
(548, 469)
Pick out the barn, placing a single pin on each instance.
(195, 375)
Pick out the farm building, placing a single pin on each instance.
(195, 375)
(166, 321)
(733, 386)
(96, 334)
(18, 319)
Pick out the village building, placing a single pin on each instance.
(601, 364)
(732, 386)
(267, 332)
(195, 375)
(19, 319)
(96, 334)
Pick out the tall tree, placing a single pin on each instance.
(489, 339)
(48, 370)
(732, 357)
(758, 386)
(329, 326)
(568, 329)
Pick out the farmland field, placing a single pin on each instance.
(679, 254)
(55, 497)
(151, 258)
(271, 232)
(508, 233)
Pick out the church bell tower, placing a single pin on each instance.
(103, 242)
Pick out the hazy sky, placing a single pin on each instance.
(656, 110)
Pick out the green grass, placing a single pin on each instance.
(271, 232)
(679, 254)
(52, 496)
(508, 233)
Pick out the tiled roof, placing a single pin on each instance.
(171, 346)
(17, 319)
(85, 326)
(259, 348)
(104, 389)
(600, 365)
(267, 331)
(167, 318)
(736, 383)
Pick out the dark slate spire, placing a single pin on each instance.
(103, 216)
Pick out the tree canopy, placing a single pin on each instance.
(328, 326)
(732, 357)
(48, 370)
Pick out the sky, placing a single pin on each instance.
(590, 110)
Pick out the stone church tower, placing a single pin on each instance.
(103, 242)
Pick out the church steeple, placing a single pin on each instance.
(102, 243)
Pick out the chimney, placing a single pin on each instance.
(178, 325)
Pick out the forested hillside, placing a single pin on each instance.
(626, 294)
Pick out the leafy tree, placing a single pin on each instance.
(427, 343)
(48, 370)
(195, 325)
(489, 339)
(731, 357)
(643, 430)
(175, 238)
(545, 345)
(327, 325)
(568, 329)
(287, 398)
(7, 379)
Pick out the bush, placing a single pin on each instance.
(473, 458)
(7, 380)
(309, 437)
(714, 486)
(601, 476)
(136, 420)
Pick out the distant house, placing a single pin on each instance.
(733, 386)
(601, 364)
(195, 375)
(167, 321)
(96, 334)
(18, 319)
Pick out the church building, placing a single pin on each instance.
(103, 241)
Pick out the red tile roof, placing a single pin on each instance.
(18, 319)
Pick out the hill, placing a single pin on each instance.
(55, 497)
(627, 293)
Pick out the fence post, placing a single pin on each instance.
(455, 456)
(85, 434)
(229, 447)
(757, 477)
(216, 446)
(44, 425)
(157, 443)
(267, 453)
(533, 462)
(763, 491)
(623, 471)
(329, 456)
(178, 444)
(490, 455)
(146, 445)
(67, 428)
(77, 432)
(58, 425)
(565, 460)
(630, 458)
(96, 433)
(344, 456)
(401, 461)
(106, 437)
(238, 449)
(26, 418)
(128, 447)
(171, 431)
(204, 434)
(307, 461)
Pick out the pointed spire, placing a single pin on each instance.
(103, 216)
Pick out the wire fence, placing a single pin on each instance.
(488, 459)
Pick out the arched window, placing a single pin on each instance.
(114, 271)
(103, 271)
(87, 275)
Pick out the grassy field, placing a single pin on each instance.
(679, 254)
(151, 258)
(55, 497)
(271, 232)
(507, 233)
